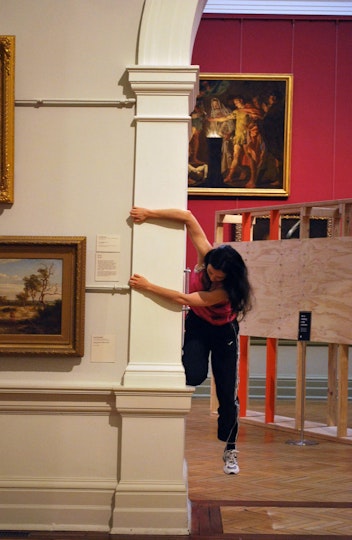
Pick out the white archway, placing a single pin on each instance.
(168, 32)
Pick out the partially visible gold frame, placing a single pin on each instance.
(253, 161)
(7, 114)
(29, 323)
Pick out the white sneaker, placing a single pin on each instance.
(230, 459)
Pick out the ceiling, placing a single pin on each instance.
(280, 7)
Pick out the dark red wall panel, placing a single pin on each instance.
(343, 114)
(218, 46)
(313, 111)
(266, 48)
(318, 52)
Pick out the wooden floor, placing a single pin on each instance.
(283, 490)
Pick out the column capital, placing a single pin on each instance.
(167, 85)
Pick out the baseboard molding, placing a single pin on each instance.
(55, 509)
(316, 388)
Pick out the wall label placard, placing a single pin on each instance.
(304, 325)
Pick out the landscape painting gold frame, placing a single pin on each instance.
(240, 143)
(24, 325)
(7, 104)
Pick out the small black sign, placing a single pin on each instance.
(305, 319)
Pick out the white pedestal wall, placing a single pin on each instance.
(56, 471)
(152, 492)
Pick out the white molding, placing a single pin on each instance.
(59, 484)
(56, 506)
(50, 387)
(51, 400)
(282, 7)
(168, 30)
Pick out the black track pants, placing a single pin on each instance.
(221, 343)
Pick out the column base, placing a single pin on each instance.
(152, 493)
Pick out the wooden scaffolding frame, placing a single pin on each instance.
(333, 254)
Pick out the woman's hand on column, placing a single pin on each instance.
(139, 215)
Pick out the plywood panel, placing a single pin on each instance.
(289, 276)
(327, 287)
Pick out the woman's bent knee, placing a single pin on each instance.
(194, 380)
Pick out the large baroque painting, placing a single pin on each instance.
(240, 142)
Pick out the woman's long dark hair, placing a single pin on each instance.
(236, 283)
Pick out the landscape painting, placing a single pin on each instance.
(42, 295)
(30, 296)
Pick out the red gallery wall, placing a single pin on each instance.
(318, 53)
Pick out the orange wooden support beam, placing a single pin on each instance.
(270, 390)
(271, 343)
(274, 233)
(244, 340)
(246, 226)
(243, 375)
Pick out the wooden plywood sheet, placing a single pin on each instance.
(289, 276)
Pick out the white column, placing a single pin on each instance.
(152, 495)
(165, 96)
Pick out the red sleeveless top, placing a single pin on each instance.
(218, 314)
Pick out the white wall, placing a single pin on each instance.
(74, 170)
(74, 166)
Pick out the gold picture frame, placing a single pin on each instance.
(240, 144)
(42, 295)
(7, 118)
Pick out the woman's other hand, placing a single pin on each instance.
(138, 282)
(139, 215)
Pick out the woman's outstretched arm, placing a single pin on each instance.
(140, 215)
(194, 229)
(196, 299)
